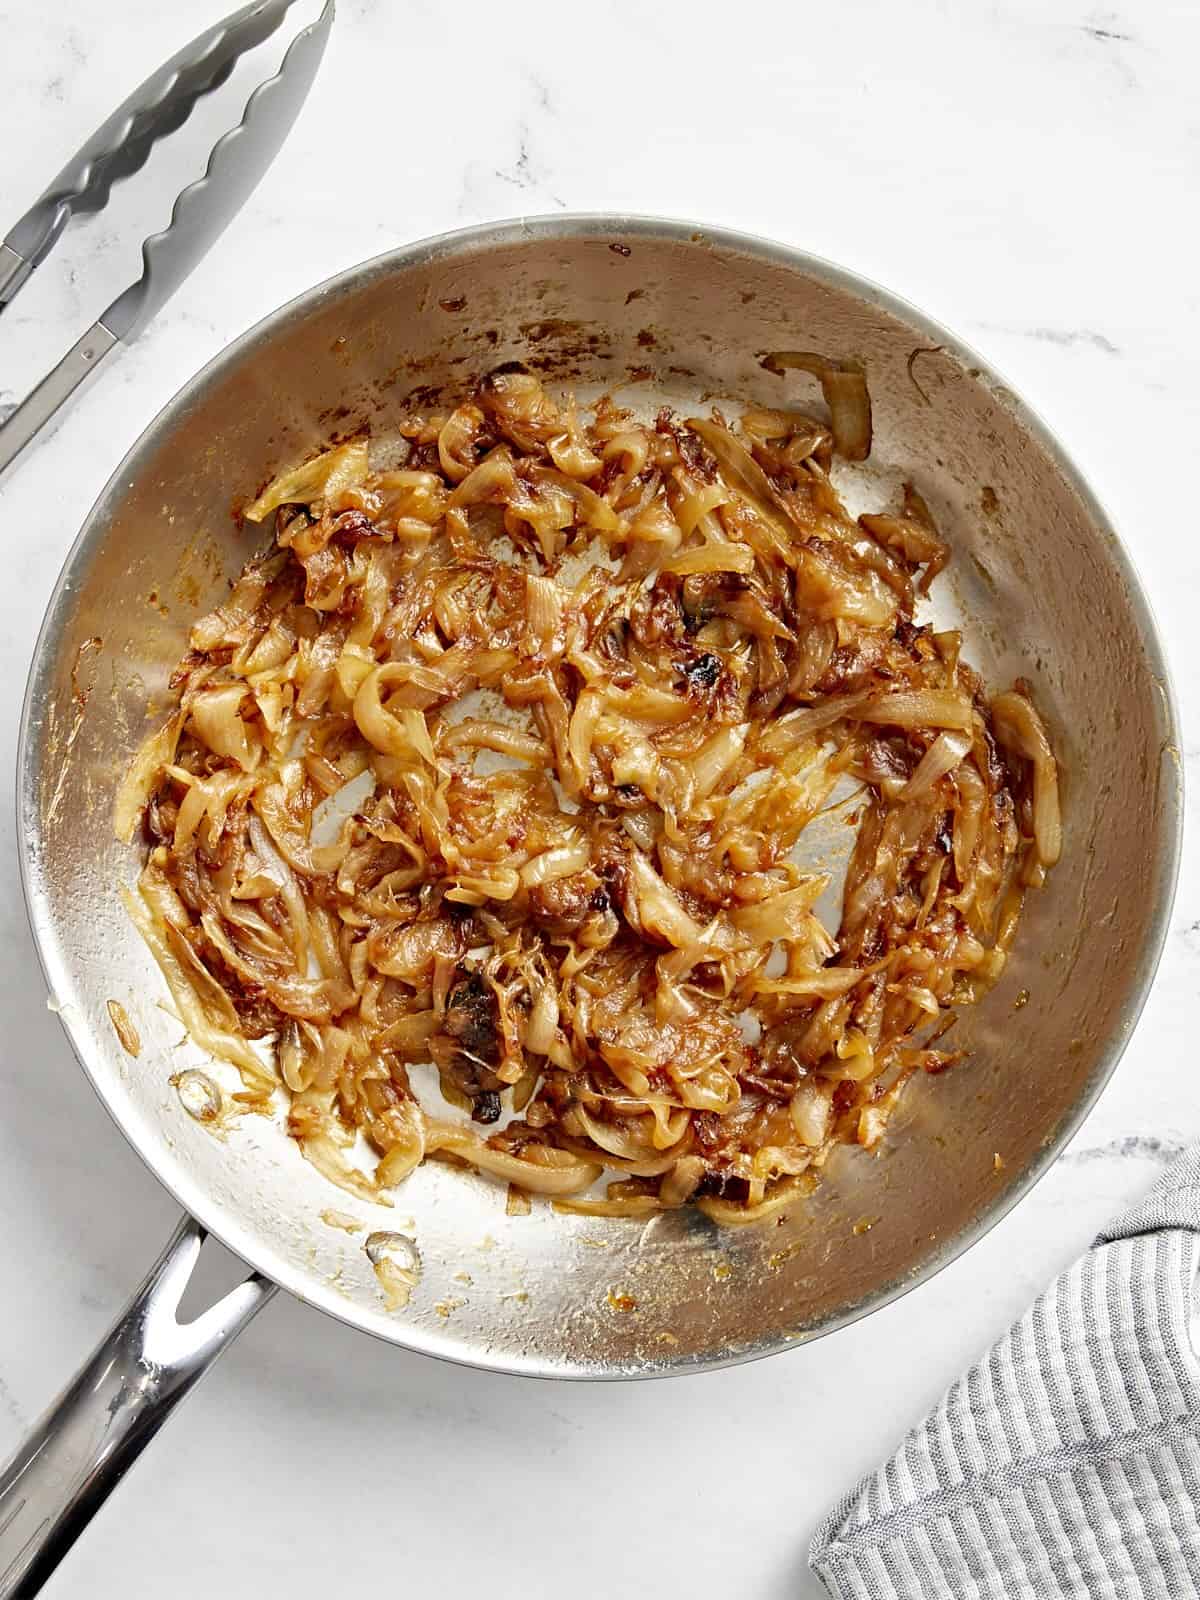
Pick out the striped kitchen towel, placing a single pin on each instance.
(1067, 1462)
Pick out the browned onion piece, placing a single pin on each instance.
(1019, 728)
(923, 708)
(943, 755)
(912, 534)
(844, 386)
(739, 466)
(326, 478)
(143, 776)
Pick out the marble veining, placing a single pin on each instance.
(1070, 336)
(1052, 222)
(1159, 1148)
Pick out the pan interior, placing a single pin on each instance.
(1038, 583)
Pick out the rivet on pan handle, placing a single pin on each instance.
(85, 1443)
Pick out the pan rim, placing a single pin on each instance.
(222, 1222)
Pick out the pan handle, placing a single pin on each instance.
(81, 1448)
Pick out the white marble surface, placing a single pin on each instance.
(1024, 169)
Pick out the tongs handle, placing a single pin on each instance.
(123, 141)
(55, 389)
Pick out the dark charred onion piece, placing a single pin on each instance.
(471, 1016)
(487, 1106)
(701, 672)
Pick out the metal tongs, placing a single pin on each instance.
(202, 211)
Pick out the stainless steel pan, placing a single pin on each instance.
(1039, 582)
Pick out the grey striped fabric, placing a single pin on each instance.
(1067, 1462)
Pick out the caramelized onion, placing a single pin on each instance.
(844, 387)
(143, 777)
(326, 478)
(942, 756)
(1019, 728)
(496, 768)
(924, 708)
